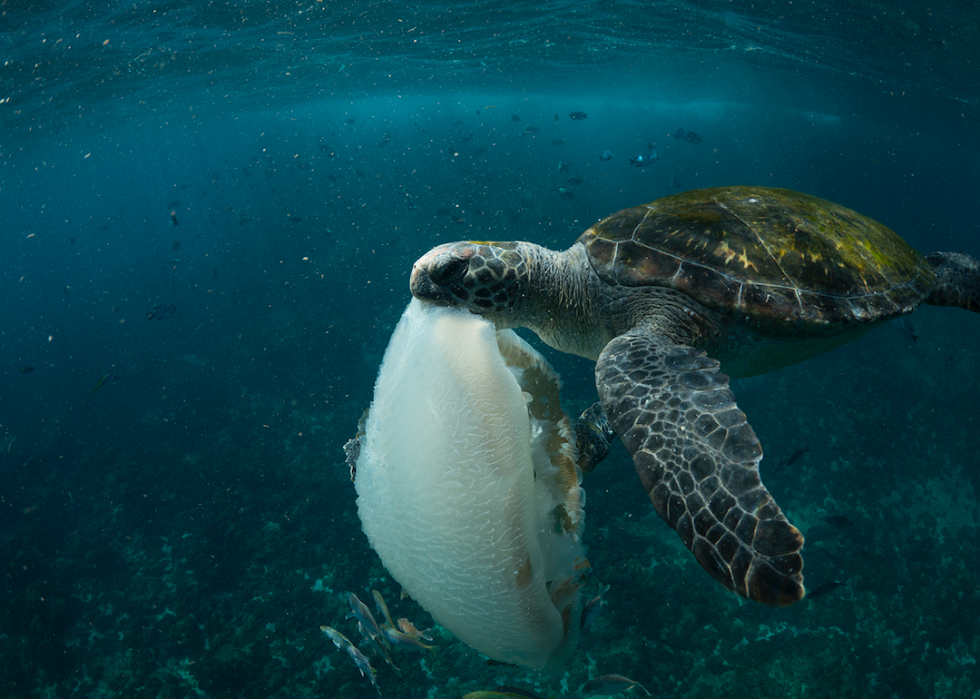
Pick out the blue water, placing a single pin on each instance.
(273, 169)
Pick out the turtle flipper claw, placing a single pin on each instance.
(593, 436)
(698, 459)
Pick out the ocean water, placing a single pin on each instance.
(176, 517)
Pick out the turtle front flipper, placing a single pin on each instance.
(698, 459)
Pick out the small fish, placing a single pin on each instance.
(691, 137)
(908, 330)
(408, 627)
(105, 377)
(379, 644)
(379, 603)
(515, 117)
(369, 628)
(611, 684)
(576, 180)
(590, 612)
(339, 639)
(556, 117)
(839, 521)
(25, 370)
(679, 134)
(558, 142)
(176, 246)
(821, 532)
(531, 129)
(360, 611)
(173, 217)
(825, 588)
(673, 181)
(577, 116)
(791, 460)
(404, 641)
(566, 193)
(503, 692)
(606, 156)
(67, 290)
(490, 662)
(364, 665)
(645, 160)
(161, 312)
(563, 166)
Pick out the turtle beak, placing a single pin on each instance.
(436, 273)
(424, 289)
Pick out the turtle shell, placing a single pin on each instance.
(781, 262)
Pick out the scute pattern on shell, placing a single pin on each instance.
(783, 262)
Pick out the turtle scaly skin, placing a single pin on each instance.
(673, 297)
(957, 284)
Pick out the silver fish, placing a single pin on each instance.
(339, 639)
(379, 644)
(360, 611)
(611, 684)
(364, 665)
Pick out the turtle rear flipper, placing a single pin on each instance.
(958, 280)
(698, 459)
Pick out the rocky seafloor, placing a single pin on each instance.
(202, 562)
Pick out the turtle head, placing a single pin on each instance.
(517, 284)
(489, 279)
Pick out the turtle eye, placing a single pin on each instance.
(449, 273)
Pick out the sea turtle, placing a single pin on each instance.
(673, 297)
